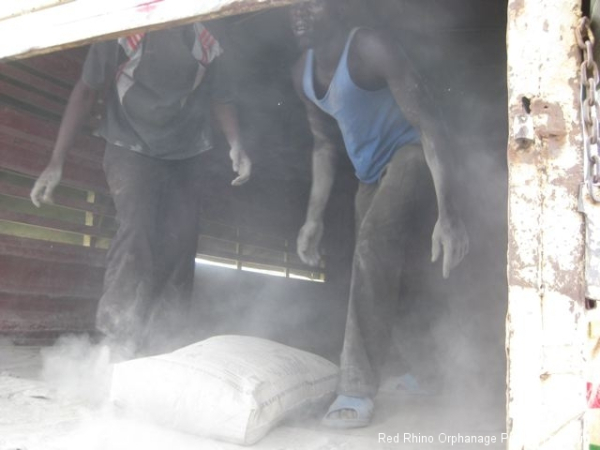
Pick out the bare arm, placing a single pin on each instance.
(227, 117)
(324, 159)
(77, 112)
(392, 66)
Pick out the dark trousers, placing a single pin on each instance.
(385, 212)
(150, 264)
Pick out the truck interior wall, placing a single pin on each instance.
(457, 324)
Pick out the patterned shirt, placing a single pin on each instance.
(160, 87)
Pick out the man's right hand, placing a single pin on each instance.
(46, 183)
(308, 242)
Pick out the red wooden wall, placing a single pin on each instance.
(51, 258)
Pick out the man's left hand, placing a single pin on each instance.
(241, 165)
(449, 236)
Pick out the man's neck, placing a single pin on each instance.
(330, 46)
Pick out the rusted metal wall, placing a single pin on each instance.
(546, 328)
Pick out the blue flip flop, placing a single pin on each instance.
(363, 406)
(406, 384)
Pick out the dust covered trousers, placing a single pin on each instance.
(384, 213)
(150, 264)
(161, 86)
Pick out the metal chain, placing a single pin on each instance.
(589, 79)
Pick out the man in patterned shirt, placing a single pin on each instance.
(162, 87)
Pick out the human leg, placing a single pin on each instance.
(384, 213)
(136, 183)
(178, 227)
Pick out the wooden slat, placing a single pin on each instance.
(13, 9)
(263, 261)
(242, 240)
(54, 65)
(32, 163)
(52, 251)
(60, 200)
(47, 286)
(43, 132)
(82, 21)
(45, 337)
(16, 73)
(54, 224)
(37, 277)
(41, 149)
(34, 328)
(44, 303)
(32, 314)
(8, 90)
(220, 230)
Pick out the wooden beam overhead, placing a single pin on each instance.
(34, 27)
(13, 9)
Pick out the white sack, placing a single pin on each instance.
(233, 388)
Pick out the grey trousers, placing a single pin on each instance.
(150, 262)
(385, 212)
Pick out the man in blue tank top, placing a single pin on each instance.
(357, 83)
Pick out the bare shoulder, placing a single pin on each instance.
(377, 47)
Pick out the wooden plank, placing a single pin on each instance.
(44, 303)
(41, 338)
(252, 242)
(34, 328)
(30, 97)
(27, 123)
(82, 21)
(63, 70)
(263, 261)
(16, 73)
(80, 155)
(546, 326)
(75, 175)
(12, 9)
(60, 200)
(30, 316)
(30, 276)
(43, 132)
(55, 224)
(40, 330)
(52, 251)
(247, 238)
(37, 149)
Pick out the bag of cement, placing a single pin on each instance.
(232, 388)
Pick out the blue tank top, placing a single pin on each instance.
(372, 124)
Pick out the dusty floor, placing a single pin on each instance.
(44, 408)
